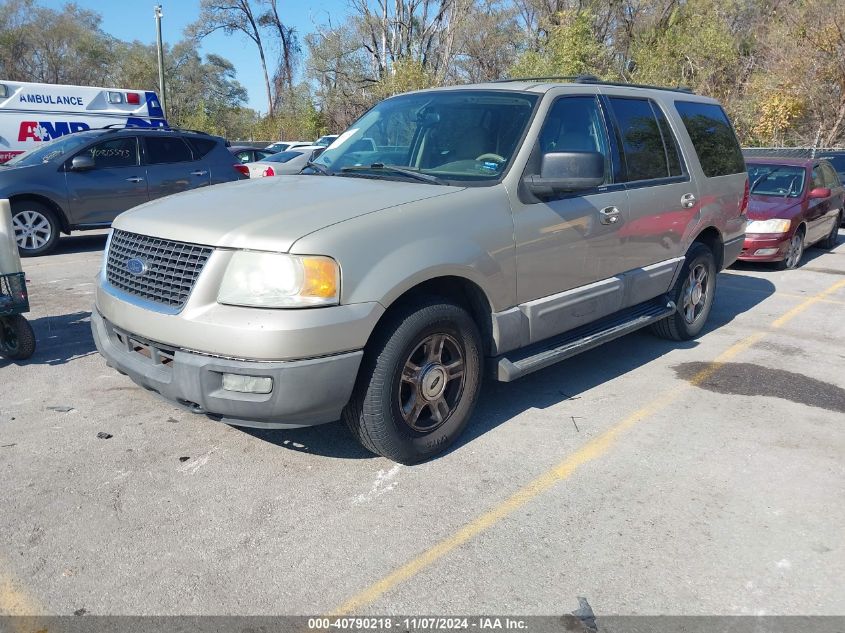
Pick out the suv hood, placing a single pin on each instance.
(770, 207)
(272, 213)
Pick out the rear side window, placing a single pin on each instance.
(201, 146)
(648, 146)
(170, 149)
(713, 138)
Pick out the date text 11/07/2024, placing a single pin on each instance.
(425, 623)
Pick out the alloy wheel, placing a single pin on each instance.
(695, 294)
(431, 383)
(796, 250)
(32, 229)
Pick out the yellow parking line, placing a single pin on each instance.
(822, 296)
(591, 451)
(778, 293)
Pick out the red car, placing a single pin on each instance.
(795, 203)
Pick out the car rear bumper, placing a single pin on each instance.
(765, 248)
(303, 393)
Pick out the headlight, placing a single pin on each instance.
(277, 280)
(768, 226)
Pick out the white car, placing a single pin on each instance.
(284, 163)
(281, 146)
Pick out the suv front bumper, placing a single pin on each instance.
(304, 392)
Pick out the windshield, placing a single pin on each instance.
(776, 180)
(325, 141)
(464, 135)
(52, 149)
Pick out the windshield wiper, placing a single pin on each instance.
(410, 173)
(762, 178)
(322, 169)
(791, 185)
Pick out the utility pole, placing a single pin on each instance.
(162, 91)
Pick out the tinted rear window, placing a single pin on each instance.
(201, 146)
(713, 138)
(282, 157)
(170, 149)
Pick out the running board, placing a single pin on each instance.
(517, 364)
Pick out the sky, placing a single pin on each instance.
(135, 20)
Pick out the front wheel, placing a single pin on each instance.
(794, 253)
(36, 228)
(419, 382)
(693, 294)
(17, 340)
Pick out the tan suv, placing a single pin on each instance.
(501, 226)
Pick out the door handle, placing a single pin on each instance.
(688, 200)
(609, 215)
(199, 172)
(135, 179)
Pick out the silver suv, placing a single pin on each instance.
(494, 228)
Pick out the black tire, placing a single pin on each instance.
(432, 335)
(832, 237)
(42, 225)
(679, 326)
(17, 340)
(793, 260)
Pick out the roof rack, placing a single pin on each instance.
(122, 126)
(592, 79)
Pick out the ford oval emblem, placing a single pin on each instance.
(136, 266)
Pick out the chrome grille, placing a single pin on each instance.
(172, 268)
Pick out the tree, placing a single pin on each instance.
(289, 50)
(233, 16)
(569, 48)
(42, 45)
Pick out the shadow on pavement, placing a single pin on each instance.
(326, 440)
(79, 243)
(500, 402)
(59, 339)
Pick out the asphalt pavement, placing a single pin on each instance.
(646, 476)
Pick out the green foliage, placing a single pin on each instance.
(403, 76)
(694, 47)
(570, 47)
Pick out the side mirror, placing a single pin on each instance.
(567, 171)
(820, 192)
(83, 162)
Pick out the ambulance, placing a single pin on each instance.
(32, 113)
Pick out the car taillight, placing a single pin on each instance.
(242, 169)
(269, 172)
(743, 206)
